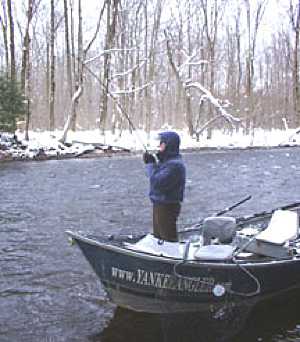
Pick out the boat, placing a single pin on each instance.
(218, 262)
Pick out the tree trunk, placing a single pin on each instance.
(238, 55)
(26, 67)
(145, 71)
(112, 12)
(287, 56)
(3, 22)
(154, 34)
(26, 46)
(68, 123)
(296, 85)
(79, 73)
(73, 60)
(106, 67)
(189, 116)
(180, 98)
(28, 93)
(296, 78)
(68, 50)
(12, 42)
(52, 70)
(47, 81)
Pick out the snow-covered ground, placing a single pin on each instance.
(46, 144)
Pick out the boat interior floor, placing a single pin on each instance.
(151, 245)
(190, 251)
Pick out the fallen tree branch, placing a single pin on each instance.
(103, 147)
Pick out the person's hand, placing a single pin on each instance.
(148, 158)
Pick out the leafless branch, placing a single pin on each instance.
(215, 102)
(97, 29)
(103, 53)
(131, 91)
(128, 72)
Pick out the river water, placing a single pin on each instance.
(48, 292)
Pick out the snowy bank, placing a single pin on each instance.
(46, 145)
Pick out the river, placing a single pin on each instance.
(48, 292)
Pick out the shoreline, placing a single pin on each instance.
(117, 153)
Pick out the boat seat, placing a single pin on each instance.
(222, 228)
(282, 227)
(214, 252)
(272, 242)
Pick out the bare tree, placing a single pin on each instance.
(252, 31)
(81, 61)
(257, 74)
(206, 95)
(212, 13)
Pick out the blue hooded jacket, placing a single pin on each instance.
(167, 177)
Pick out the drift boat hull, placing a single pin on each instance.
(158, 284)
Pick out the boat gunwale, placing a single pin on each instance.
(172, 260)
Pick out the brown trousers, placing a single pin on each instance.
(164, 221)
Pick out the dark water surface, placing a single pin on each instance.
(48, 292)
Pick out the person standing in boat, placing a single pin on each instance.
(167, 184)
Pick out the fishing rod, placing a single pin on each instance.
(120, 108)
(233, 206)
(123, 112)
(219, 213)
(241, 220)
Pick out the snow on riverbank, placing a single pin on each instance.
(136, 140)
(44, 145)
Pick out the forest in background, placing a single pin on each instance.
(199, 64)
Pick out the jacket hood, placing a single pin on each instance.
(172, 141)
